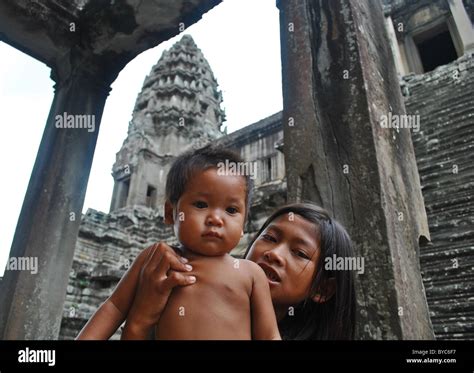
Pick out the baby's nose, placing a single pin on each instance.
(214, 218)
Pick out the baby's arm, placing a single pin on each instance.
(103, 323)
(146, 286)
(264, 323)
(113, 311)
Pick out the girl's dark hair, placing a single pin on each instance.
(335, 318)
(199, 160)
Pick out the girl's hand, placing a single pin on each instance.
(161, 272)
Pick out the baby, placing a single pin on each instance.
(207, 208)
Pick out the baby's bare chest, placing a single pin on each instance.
(219, 302)
(218, 279)
(219, 284)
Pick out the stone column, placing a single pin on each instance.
(338, 80)
(463, 24)
(31, 304)
(413, 56)
(118, 187)
(136, 193)
(394, 45)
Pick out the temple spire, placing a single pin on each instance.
(178, 107)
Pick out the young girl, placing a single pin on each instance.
(310, 301)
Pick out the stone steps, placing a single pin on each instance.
(459, 92)
(431, 260)
(444, 176)
(444, 105)
(446, 148)
(446, 138)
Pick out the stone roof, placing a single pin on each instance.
(112, 32)
(262, 128)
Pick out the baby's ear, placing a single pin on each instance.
(169, 218)
(242, 233)
(329, 289)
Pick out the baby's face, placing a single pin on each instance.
(209, 216)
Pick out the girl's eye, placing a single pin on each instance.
(200, 204)
(232, 210)
(301, 254)
(268, 237)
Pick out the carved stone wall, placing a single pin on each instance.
(444, 148)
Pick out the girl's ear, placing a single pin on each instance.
(242, 233)
(329, 289)
(169, 218)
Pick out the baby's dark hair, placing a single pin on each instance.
(336, 317)
(199, 160)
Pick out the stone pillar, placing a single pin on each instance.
(118, 187)
(463, 24)
(412, 55)
(137, 192)
(119, 196)
(394, 45)
(31, 305)
(338, 80)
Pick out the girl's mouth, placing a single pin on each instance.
(271, 274)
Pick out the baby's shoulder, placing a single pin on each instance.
(247, 273)
(249, 266)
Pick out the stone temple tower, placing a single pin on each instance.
(178, 107)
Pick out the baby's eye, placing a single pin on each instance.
(232, 210)
(200, 204)
(268, 237)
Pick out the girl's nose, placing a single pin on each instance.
(214, 219)
(274, 256)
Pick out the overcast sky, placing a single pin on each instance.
(239, 38)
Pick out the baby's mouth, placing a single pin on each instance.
(212, 234)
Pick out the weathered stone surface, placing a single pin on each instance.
(444, 147)
(403, 10)
(469, 5)
(338, 79)
(110, 32)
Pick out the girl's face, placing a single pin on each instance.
(288, 252)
